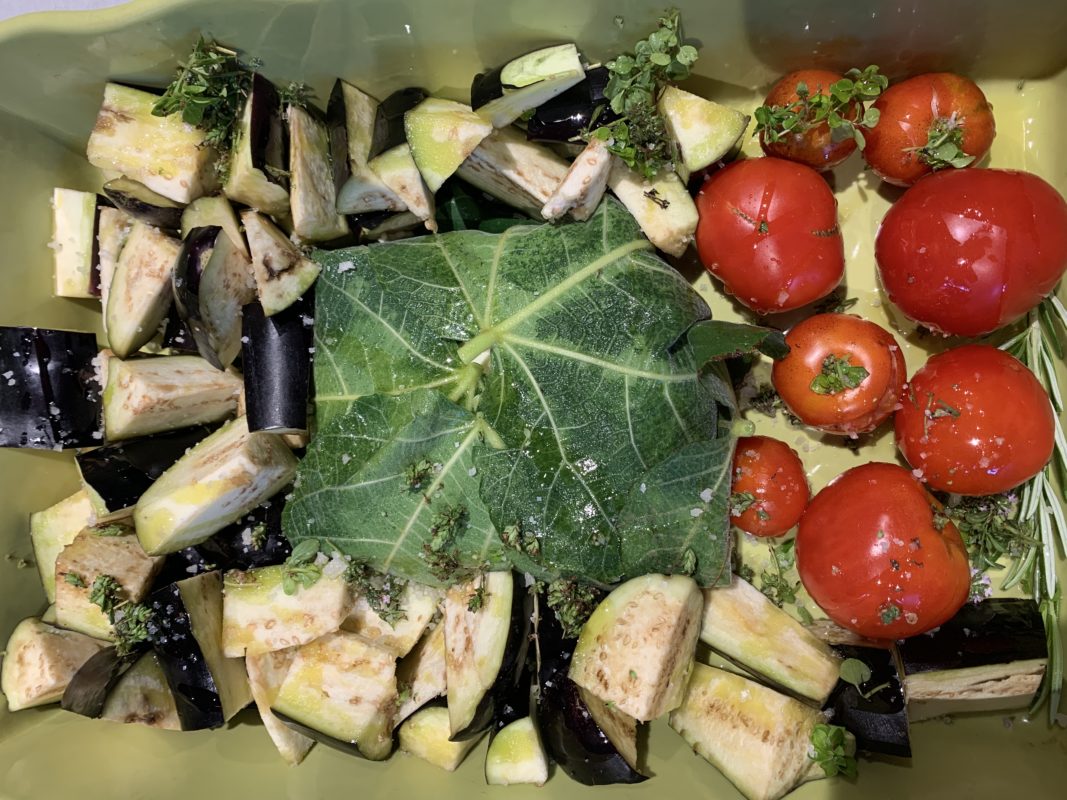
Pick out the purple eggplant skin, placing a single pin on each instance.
(879, 722)
(351, 748)
(171, 635)
(121, 472)
(337, 126)
(512, 665)
(94, 680)
(177, 336)
(563, 118)
(192, 260)
(49, 391)
(276, 354)
(389, 121)
(138, 201)
(268, 136)
(486, 87)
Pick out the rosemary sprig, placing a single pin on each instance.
(1038, 345)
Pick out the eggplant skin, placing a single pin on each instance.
(565, 116)
(138, 201)
(92, 683)
(185, 280)
(879, 723)
(276, 357)
(389, 122)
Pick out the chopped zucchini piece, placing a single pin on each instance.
(312, 195)
(266, 673)
(39, 662)
(419, 604)
(421, 675)
(73, 243)
(442, 133)
(397, 169)
(702, 130)
(281, 271)
(54, 528)
(425, 735)
(636, 650)
(515, 171)
(662, 206)
(164, 153)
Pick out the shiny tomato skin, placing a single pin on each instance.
(965, 252)
(814, 147)
(870, 554)
(908, 110)
(975, 421)
(851, 410)
(772, 472)
(768, 230)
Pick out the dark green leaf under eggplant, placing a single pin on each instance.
(49, 394)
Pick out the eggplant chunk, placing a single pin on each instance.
(312, 194)
(216, 483)
(583, 187)
(74, 220)
(57, 526)
(186, 632)
(351, 116)
(112, 230)
(49, 389)
(266, 673)
(276, 359)
(421, 674)
(40, 660)
(740, 622)
(874, 712)
(258, 161)
(138, 201)
(636, 650)
(164, 393)
(662, 206)
(419, 603)
(759, 739)
(341, 690)
(140, 291)
(520, 173)
(282, 273)
(389, 119)
(425, 735)
(142, 696)
(442, 133)
(164, 153)
(93, 553)
(259, 617)
(516, 756)
(702, 131)
(87, 691)
(217, 211)
(565, 117)
(397, 169)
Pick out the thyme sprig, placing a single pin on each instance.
(129, 621)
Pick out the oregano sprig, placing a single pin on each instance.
(829, 749)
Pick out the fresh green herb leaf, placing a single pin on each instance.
(775, 582)
(476, 601)
(991, 529)
(300, 569)
(837, 302)
(384, 593)
(573, 604)
(854, 671)
(838, 375)
(75, 580)
(944, 145)
(805, 615)
(132, 625)
(633, 675)
(840, 108)
(889, 613)
(830, 749)
(258, 536)
(296, 94)
(110, 530)
(740, 502)
(105, 593)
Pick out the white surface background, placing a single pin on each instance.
(12, 8)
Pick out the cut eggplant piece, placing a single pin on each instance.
(88, 690)
(441, 134)
(702, 131)
(397, 170)
(164, 153)
(112, 230)
(138, 201)
(419, 604)
(583, 187)
(165, 393)
(73, 242)
(216, 483)
(534, 68)
(217, 211)
(512, 104)
(740, 622)
(991, 656)
(873, 712)
(312, 195)
(389, 119)
(142, 696)
(112, 550)
(282, 273)
(266, 673)
(396, 226)
(186, 632)
(276, 359)
(259, 162)
(341, 691)
(57, 526)
(759, 739)
(425, 735)
(49, 392)
(118, 474)
(482, 647)
(520, 173)
(566, 117)
(515, 756)
(351, 116)
(140, 293)
(39, 662)
(662, 206)
(177, 339)
(258, 616)
(212, 281)
(421, 675)
(365, 192)
(637, 648)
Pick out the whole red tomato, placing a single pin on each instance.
(812, 145)
(768, 230)
(879, 558)
(770, 488)
(843, 374)
(927, 123)
(975, 421)
(967, 251)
